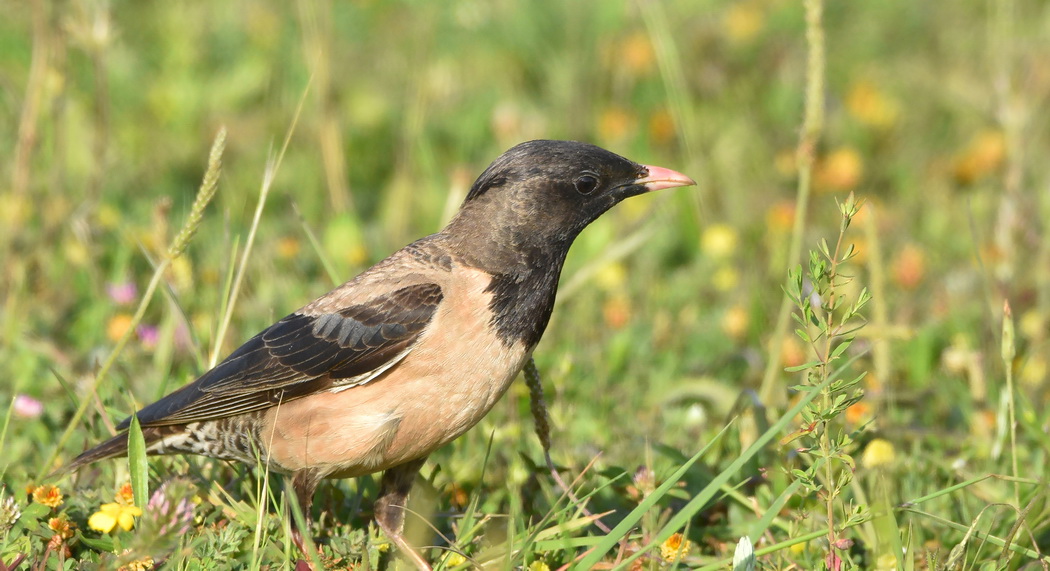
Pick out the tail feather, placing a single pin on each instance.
(116, 447)
(112, 448)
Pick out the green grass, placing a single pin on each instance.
(384, 112)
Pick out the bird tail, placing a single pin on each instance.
(115, 447)
(112, 448)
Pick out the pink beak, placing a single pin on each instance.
(660, 178)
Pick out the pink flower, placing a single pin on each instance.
(175, 514)
(122, 293)
(183, 340)
(28, 407)
(148, 335)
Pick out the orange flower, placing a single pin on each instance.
(675, 547)
(61, 526)
(125, 496)
(985, 154)
(615, 124)
(48, 495)
(781, 216)
(841, 170)
(637, 55)
(909, 267)
(616, 311)
(117, 326)
(791, 352)
(288, 248)
(662, 127)
(858, 412)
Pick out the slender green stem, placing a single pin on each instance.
(812, 126)
(264, 191)
(103, 370)
(204, 195)
(1009, 351)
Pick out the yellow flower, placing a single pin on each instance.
(125, 496)
(735, 322)
(879, 452)
(743, 21)
(454, 559)
(612, 276)
(110, 516)
(718, 241)
(675, 547)
(886, 561)
(108, 216)
(48, 495)
(1033, 371)
(144, 564)
(539, 566)
(1031, 324)
(872, 106)
(181, 273)
(725, 278)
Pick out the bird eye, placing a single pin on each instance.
(586, 184)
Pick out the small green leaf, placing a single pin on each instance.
(137, 465)
(840, 348)
(103, 544)
(802, 367)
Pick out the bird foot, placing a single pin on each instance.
(308, 553)
(405, 549)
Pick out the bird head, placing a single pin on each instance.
(546, 192)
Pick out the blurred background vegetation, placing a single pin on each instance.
(934, 117)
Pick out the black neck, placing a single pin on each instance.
(525, 272)
(522, 302)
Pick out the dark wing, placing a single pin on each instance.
(301, 355)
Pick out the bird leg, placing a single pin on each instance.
(304, 482)
(389, 507)
(543, 429)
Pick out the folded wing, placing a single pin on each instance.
(304, 354)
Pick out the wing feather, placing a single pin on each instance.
(304, 354)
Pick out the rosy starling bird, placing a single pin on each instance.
(399, 361)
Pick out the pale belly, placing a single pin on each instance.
(445, 385)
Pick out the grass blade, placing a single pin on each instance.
(682, 518)
(628, 523)
(137, 465)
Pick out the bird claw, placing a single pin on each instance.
(402, 545)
